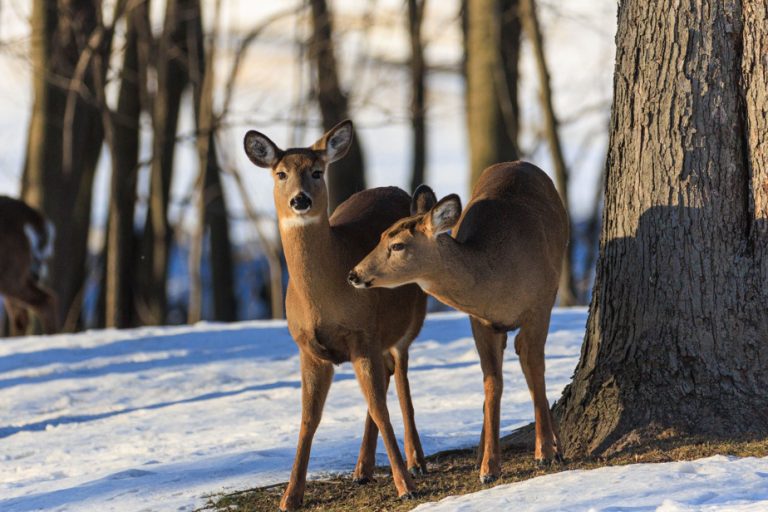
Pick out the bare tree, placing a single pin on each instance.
(211, 201)
(120, 247)
(677, 327)
(170, 63)
(346, 176)
(57, 45)
(492, 45)
(416, 10)
(567, 292)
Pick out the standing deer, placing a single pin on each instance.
(501, 264)
(331, 322)
(26, 242)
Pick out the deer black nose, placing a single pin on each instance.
(301, 202)
(353, 278)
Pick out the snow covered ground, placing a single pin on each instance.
(154, 418)
(715, 483)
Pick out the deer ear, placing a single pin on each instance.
(423, 200)
(444, 215)
(262, 151)
(336, 141)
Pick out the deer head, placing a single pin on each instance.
(408, 250)
(300, 192)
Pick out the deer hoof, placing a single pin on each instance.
(488, 479)
(291, 500)
(289, 505)
(408, 496)
(418, 470)
(545, 463)
(362, 480)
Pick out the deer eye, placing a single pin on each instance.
(397, 247)
(317, 175)
(281, 176)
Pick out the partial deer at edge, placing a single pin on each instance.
(26, 243)
(332, 322)
(501, 264)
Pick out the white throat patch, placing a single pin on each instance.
(298, 221)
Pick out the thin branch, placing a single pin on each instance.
(242, 49)
(76, 85)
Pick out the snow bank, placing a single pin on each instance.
(715, 483)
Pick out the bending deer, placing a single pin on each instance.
(331, 322)
(26, 242)
(501, 265)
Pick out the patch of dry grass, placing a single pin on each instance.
(454, 472)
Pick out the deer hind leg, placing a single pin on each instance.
(18, 317)
(366, 461)
(371, 375)
(414, 454)
(490, 346)
(40, 300)
(529, 345)
(316, 377)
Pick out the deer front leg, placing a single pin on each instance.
(17, 317)
(366, 461)
(370, 371)
(316, 376)
(40, 300)
(490, 347)
(414, 454)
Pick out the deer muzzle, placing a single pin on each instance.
(301, 203)
(355, 280)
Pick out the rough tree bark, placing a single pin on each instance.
(677, 329)
(346, 176)
(121, 239)
(418, 92)
(492, 46)
(567, 292)
(60, 33)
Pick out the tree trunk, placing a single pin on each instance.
(171, 71)
(492, 41)
(65, 197)
(418, 94)
(121, 238)
(567, 293)
(677, 329)
(346, 176)
(507, 80)
(213, 218)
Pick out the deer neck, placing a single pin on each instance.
(310, 254)
(457, 278)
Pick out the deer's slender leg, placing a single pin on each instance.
(316, 377)
(371, 375)
(529, 345)
(414, 454)
(18, 317)
(490, 346)
(366, 461)
(39, 300)
(481, 444)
